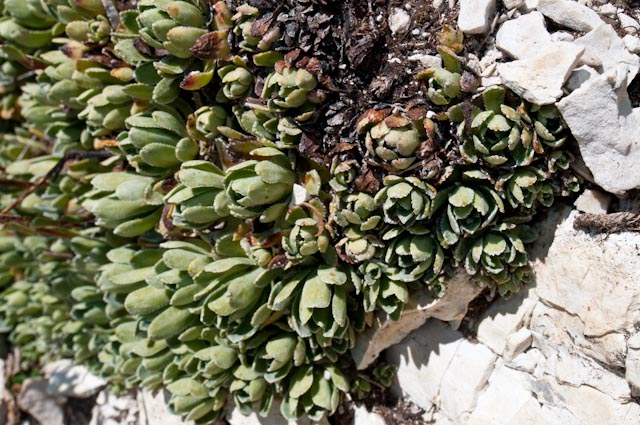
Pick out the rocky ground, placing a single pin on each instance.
(565, 350)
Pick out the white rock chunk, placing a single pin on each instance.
(524, 36)
(507, 400)
(570, 14)
(42, 406)
(517, 343)
(606, 128)
(562, 36)
(475, 15)
(71, 380)
(599, 284)
(608, 10)
(593, 202)
(505, 317)
(579, 76)
(632, 43)
(554, 330)
(586, 404)
(539, 79)
(436, 359)
(466, 375)
(603, 49)
(363, 417)
(115, 410)
(452, 306)
(512, 4)
(428, 61)
(633, 365)
(399, 21)
(628, 24)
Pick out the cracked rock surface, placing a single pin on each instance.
(564, 351)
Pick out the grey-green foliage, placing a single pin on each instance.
(190, 226)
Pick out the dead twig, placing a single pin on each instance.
(54, 172)
(608, 223)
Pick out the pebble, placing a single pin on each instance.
(608, 10)
(399, 21)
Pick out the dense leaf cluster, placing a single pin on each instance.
(163, 226)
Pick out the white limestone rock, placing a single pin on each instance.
(530, 361)
(584, 405)
(115, 410)
(628, 24)
(37, 402)
(505, 317)
(475, 15)
(608, 10)
(553, 329)
(508, 399)
(517, 343)
(632, 43)
(512, 4)
(604, 50)
(570, 14)
(438, 360)
(467, 374)
(593, 202)
(428, 61)
(524, 36)
(606, 128)
(633, 364)
(579, 76)
(363, 417)
(598, 284)
(539, 79)
(399, 21)
(452, 306)
(71, 380)
(562, 36)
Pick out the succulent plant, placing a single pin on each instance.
(310, 236)
(291, 88)
(498, 257)
(465, 209)
(175, 217)
(526, 187)
(260, 187)
(444, 83)
(157, 142)
(199, 200)
(124, 202)
(237, 81)
(28, 24)
(204, 123)
(107, 111)
(317, 298)
(414, 256)
(380, 291)
(244, 20)
(405, 200)
(269, 128)
(94, 31)
(501, 134)
(174, 26)
(393, 139)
